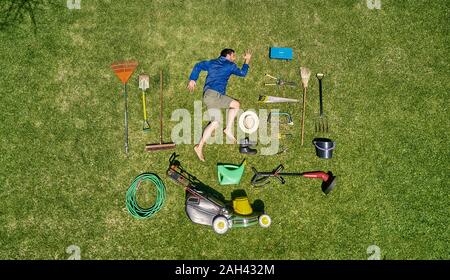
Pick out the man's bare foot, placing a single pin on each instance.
(230, 136)
(199, 153)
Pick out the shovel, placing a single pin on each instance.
(143, 85)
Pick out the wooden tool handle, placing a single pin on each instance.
(160, 106)
(303, 114)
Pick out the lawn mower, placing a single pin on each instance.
(262, 178)
(205, 206)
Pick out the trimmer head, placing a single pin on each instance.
(329, 184)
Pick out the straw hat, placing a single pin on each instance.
(248, 122)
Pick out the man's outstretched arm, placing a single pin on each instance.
(247, 56)
(243, 71)
(203, 65)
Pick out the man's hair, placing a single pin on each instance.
(226, 52)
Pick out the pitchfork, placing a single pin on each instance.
(321, 124)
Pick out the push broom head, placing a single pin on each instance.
(159, 147)
(305, 73)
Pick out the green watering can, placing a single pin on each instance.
(230, 174)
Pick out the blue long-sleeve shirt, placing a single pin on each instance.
(219, 71)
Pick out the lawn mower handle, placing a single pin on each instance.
(261, 178)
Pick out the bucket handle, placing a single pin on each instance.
(322, 149)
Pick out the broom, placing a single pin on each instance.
(160, 146)
(304, 73)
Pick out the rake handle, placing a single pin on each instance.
(126, 120)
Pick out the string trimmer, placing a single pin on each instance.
(262, 178)
(143, 85)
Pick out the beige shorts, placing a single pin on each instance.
(214, 102)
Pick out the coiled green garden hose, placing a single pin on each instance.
(132, 206)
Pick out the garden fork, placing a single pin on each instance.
(321, 124)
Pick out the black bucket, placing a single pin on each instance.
(324, 147)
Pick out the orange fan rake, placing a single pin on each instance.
(124, 70)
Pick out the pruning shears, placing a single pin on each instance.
(279, 82)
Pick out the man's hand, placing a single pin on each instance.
(191, 85)
(247, 56)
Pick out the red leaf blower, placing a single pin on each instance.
(262, 178)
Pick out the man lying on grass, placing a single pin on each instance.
(214, 92)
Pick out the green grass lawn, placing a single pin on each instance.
(64, 173)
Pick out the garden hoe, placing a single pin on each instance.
(321, 124)
(143, 85)
(304, 73)
(262, 178)
(161, 145)
(123, 71)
